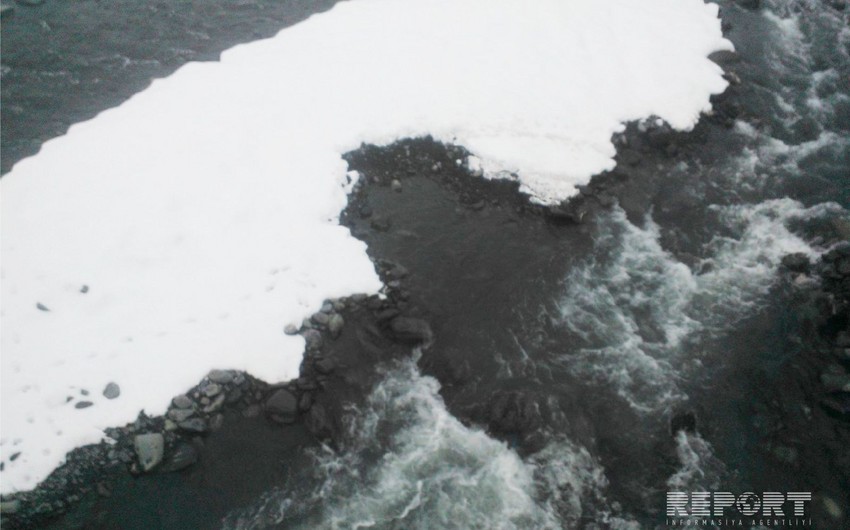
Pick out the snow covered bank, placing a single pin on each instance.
(184, 229)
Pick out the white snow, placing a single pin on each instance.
(202, 213)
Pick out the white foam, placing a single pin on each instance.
(433, 472)
(635, 306)
(202, 213)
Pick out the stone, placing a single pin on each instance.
(41, 307)
(196, 425)
(327, 307)
(212, 390)
(282, 405)
(216, 422)
(321, 318)
(220, 376)
(318, 422)
(183, 456)
(305, 402)
(313, 339)
(396, 185)
(149, 449)
(111, 391)
(838, 403)
(335, 324)
(750, 4)
(412, 331)
(291, 329)
(380, 224)
(84, 289)
(179, 415)
(842, 340)
(182, 402)
(83, 404)
(216, 404)
(843, 266)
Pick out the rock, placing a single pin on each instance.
(412, 331)
(335, 324)
(215, 404)
(834, 382)
(832, 508)
(305, 402)
(233, 396)
(111, 391)
(396, 185)
(182, 402)
(103, 490)
(212, 390)
(365, 212)
(179, 415)
(6, 10)
(321, 319)
(282, 405)
(325, 366)
(327, 307)
(220, 376)
(196, 425)
(183, 456)
(83, 404)
(843, 266)
(569, 212)
(318, 422)
(842, 340)
(380, 224)
(796, 262)
(216, 422)
(313, 339)
(10, 507)
(291, 329)
(251, 411)
(512, 412)
(149, 449)
(41, 307)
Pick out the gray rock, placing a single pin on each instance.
(215, 404)
(220, 376)
(291, 329)
(196, 425)
(179, 415)
(41, 307)
(184, 455)
(321, 318)
(111, 391)
(251, 411)
(182, 402)
(305, 401)
(335, 324)
(83, 404)
(327, 307)
(216, 422)
(283, 405)
(212, 390)
(396, 185)
(413, 331)
(149, 449)
(313, 339)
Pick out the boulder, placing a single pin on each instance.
(149, 448)
(412, 331)
(282, 406)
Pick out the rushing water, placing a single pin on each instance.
(668, 301)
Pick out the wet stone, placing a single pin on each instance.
(321, 319)
(212, 390)
(179, 415)
(291, 329)
(282, 405)
(411, 331)
(335, 324)
(325, 366)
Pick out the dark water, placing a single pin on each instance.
(562, 351)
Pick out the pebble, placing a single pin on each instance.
(321, 318)
(83, 404)
(291, 329)
(325, 366)
(215, 404)
(111, 391)
(220, 376)
(335, 324)
(396, 185)
(41, 307)
(212, 390)
(184, 455)
(196, 425)
(182, 402)
(149, 449)
(10, 507)
(179, 415)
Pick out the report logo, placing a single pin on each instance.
(707, 509)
